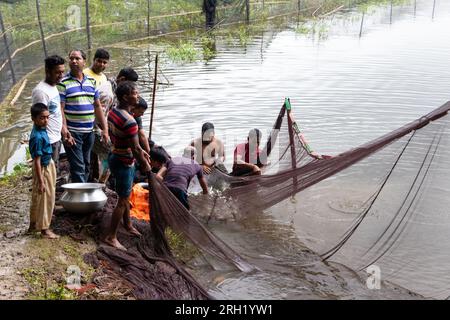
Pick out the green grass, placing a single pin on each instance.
(42, 288)
(18, 173)
(46, 272)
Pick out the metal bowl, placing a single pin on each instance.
(83, 197)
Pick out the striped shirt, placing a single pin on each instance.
(122, 127)
(79, 98)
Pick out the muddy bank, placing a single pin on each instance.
(37, 268)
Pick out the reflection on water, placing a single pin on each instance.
(345, 91)
(12, 151)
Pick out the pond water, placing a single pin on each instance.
(345, 90)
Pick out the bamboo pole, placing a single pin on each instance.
(19, 92)
(41, 30)
(292, 144)
(415, 7)
(8, 53)
(362, 24)
(434, 7)
(88, 26)
(155, 83)
(148, 18)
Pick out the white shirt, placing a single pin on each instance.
(49, 95)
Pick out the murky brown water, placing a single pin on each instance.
(345, 90)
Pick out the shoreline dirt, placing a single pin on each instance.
(36, 268)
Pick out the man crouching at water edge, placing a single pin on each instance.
(247, 156)
(123, 131)
(210, 151)
(44, 174)
(178, 172)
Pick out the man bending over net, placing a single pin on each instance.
(178, 172)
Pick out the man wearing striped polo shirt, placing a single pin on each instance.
(126, 149)
(80, 105)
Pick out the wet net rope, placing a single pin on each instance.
(294, 170)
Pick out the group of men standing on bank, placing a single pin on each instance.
(77, 109)
(100, 118)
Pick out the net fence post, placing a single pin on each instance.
(247, 11)
(8, 53)
(88, 26)
(41, 30)
(362, 24)
(148, 18)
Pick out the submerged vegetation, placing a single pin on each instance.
(183, 52)
(316, 28)
(182, 249)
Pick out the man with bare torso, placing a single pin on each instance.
(210, 151)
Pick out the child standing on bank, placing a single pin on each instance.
(44, 174)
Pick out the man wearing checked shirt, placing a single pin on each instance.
(81, 106)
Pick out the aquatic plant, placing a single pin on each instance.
(182, 249)
(243, 35)
(183, 52)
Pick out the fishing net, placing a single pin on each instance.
(383, 203)
(362, 207)
(140, 272)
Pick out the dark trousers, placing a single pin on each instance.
(56, 148)
(95, 167)
(181, 196)
(209, 7)
(79, 156)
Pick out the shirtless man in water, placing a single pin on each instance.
(210, 151)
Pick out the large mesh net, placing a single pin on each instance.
(362, 207)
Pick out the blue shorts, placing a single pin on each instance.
(123, 176)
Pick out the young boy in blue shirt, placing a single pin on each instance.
(44, 174)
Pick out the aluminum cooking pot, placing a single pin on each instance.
(83, 197)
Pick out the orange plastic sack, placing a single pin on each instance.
(140, 207)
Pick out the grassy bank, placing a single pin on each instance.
(39, 268)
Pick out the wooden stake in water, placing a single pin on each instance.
(434, 6)
(41, 30)
(8, 53)
(415, 7)
(88, 26)
(390, 17)
(155, 83)
(362, 23)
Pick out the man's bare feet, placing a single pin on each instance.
(49, 234)
(114, 243)
(133, 231)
